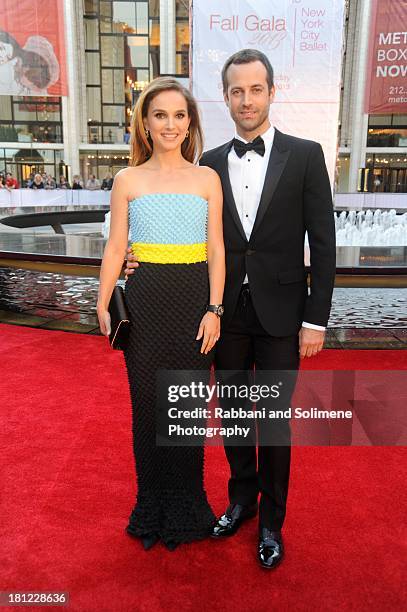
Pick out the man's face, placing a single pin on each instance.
(248, 96)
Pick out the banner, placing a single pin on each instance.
(303, 40)
(386, 85)
(32, 48)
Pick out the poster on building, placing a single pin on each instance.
(32, 48)
(303, 40)
(386, 83)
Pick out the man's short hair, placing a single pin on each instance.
(246, 56)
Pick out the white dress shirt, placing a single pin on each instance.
(247, 174)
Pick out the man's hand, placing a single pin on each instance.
(131, 263)
(311, 341)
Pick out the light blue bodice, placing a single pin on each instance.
(168, 218)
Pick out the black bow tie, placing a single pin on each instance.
(242, 147)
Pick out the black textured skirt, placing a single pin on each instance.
(166, 303)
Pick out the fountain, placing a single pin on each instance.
(363, 228)
(367, 228)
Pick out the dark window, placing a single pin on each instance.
(118, 57)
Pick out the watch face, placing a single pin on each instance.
(221, 310)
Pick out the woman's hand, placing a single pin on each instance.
(209, 329)
(104, 320)
(131, 263)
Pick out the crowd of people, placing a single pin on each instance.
(43, 180)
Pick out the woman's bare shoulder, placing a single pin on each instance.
(207, 177)
(129, 173)
(130, 179)
(206, 172)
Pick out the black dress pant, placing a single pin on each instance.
(245, 345)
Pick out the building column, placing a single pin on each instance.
(74, 105)
(359, 119)
(167, 37)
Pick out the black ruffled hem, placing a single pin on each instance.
(176, 516)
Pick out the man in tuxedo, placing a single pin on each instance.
(275, 187)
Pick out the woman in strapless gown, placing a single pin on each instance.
(176, 234)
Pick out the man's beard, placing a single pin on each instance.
(247, 127)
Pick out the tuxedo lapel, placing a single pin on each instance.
(229, 200)
(278, 159)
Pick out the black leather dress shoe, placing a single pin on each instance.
(230, 522)
(271, 549)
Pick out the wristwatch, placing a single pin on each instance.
(218, 309)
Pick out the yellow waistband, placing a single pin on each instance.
(169, 253)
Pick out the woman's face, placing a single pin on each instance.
(6, 52)
(167, 120)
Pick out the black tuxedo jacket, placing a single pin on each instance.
(296, 198)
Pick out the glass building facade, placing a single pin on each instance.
(33, 120)
(122, 55)
(118, 64)
(385, 168)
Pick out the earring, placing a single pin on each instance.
(147, 133)
(187, 134)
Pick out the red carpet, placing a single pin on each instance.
(68, 487)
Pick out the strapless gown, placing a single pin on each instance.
(166, 298)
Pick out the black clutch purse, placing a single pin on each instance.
(119, 320)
